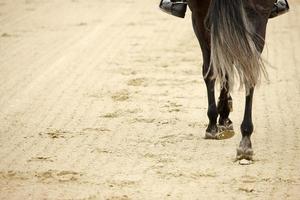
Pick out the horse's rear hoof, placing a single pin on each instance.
(210, 136)
(225, 128)
(223, 135)
(222, 132)
(211, 132)
(226, 134)
(244, 154)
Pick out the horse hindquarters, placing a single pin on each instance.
(236, 45)
(233, 44)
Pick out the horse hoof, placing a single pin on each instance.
(225, 127)
(244, 154)
(211, 132)
(225, 134)
(210, 136)
(225, 130)
(221, 133)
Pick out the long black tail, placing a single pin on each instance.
(234, 44)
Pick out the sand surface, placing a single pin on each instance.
(104, 99)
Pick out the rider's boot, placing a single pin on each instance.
(178, 7)
(174, 7)
(279, 8)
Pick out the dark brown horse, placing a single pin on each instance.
(231, 34)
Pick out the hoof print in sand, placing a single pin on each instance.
(137, 82)
(122, 95)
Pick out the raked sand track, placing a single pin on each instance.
(104, 99)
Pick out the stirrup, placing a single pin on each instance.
(279, 8)
(174, 7)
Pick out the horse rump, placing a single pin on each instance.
(235, 46)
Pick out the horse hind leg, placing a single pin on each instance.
(212, 112)
(204, 40)
(245, 150)
(225, 125)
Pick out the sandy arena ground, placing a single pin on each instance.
(99, 99)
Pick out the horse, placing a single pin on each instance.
(231, 34)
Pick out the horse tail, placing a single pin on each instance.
(234, 44)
